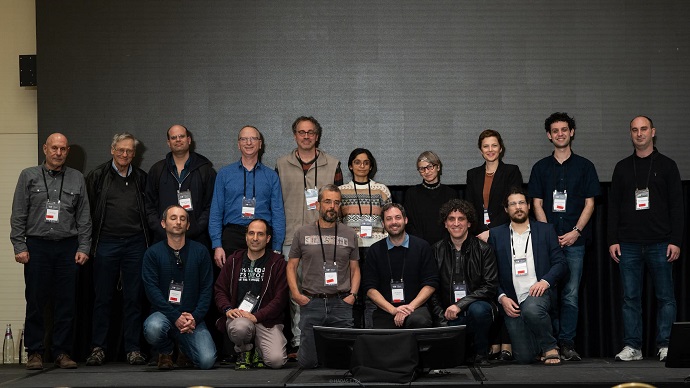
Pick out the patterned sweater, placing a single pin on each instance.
(358, 204)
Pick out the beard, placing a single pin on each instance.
(330, 216)
(519, 217)
(399, 232)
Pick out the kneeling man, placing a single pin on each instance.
(252, 292)
(399, 275)
(530, 264)
(178, 280)
(468, 278)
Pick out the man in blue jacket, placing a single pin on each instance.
(530, 264)
(178, 280)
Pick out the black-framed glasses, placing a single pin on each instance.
(178, 258)
(428, 167)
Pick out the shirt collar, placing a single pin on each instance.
(405, 243)
(129, 168)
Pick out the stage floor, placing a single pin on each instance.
(589, 372)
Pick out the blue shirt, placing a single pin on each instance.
(578, 177)
(230, 189)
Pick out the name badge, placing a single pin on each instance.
(459, 291)
(248, 206)
(642, 199)
(175, 292)
(312, 197)
(248, 302)
(53, 212)
(398, 292)
(487, 221)
(520, 267)
(559, 199)
(366, 229)
(184, 199)
(330, 274)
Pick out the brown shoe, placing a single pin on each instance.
(183, 361)
(35, 362)
(165, 362)
(64, 362)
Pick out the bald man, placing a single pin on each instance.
(183, 178)
(51, 235)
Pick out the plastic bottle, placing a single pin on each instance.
(23, 356)
(8, 346)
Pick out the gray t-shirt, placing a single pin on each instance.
(307, 247)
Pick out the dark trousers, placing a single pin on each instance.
(118, 264)
(420, 318)
(51, 273)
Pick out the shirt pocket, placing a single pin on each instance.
(70, 197)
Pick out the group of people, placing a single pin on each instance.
(295, 246)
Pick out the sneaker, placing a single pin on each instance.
(244, 361)
(96, 358)
(663, 353)
(506, 356)
(629, 354)
(63, 361)
(183, 361)
(568, 353)
(165, 362)
(136, 358)
(35, 362)
(257, 360)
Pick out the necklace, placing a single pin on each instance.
(431, 186)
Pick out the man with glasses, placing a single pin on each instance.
(51, 236)
(302, 172)
(245, 190)
(121, 236)
(327, 251)
(184, 178)
(563, 186)
(178, 280)
(530, 263)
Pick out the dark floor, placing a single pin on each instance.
(589, 373)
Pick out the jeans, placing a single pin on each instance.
(198, 346)
(531, 332)
(478, 317)
(633, 258)
(574, 257)
(294, 307)
(333, 312)
(118, 260)
(50, 274)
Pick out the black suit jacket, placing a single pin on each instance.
(507, 175)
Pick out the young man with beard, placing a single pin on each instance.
(327, 251)
(530, 263)
(251, 292)
(400, 275)
(468, 278)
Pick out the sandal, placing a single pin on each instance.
(552, 357)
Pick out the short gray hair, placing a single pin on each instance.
(118, 137)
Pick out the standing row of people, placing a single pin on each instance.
(108, 216)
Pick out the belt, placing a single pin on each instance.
(340, 295)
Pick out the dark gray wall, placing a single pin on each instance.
(398, 77)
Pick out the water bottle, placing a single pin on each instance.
(8, 346)
(23, 354)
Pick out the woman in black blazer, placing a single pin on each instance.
(488, 184)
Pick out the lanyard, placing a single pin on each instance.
(565, 174)
(402, 273)
(316, 169)
(649, 173)
(245, 181)
(512, 243)
(62, 182)
(335, 244)
(371, 204)
(177, 258)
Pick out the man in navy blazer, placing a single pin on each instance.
(530, 264)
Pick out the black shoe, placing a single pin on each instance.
(482, 361)
(292, 354)
(568, 353)
(505, 356)
(494, 356)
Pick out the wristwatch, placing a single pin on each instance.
(575, 228)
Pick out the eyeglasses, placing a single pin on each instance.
(428, 167)
(181, 137)
(329, 202)
(364, 163)
(178, 259)
(306, 133)
(250, 139)
(123, 151)
(518, 203)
